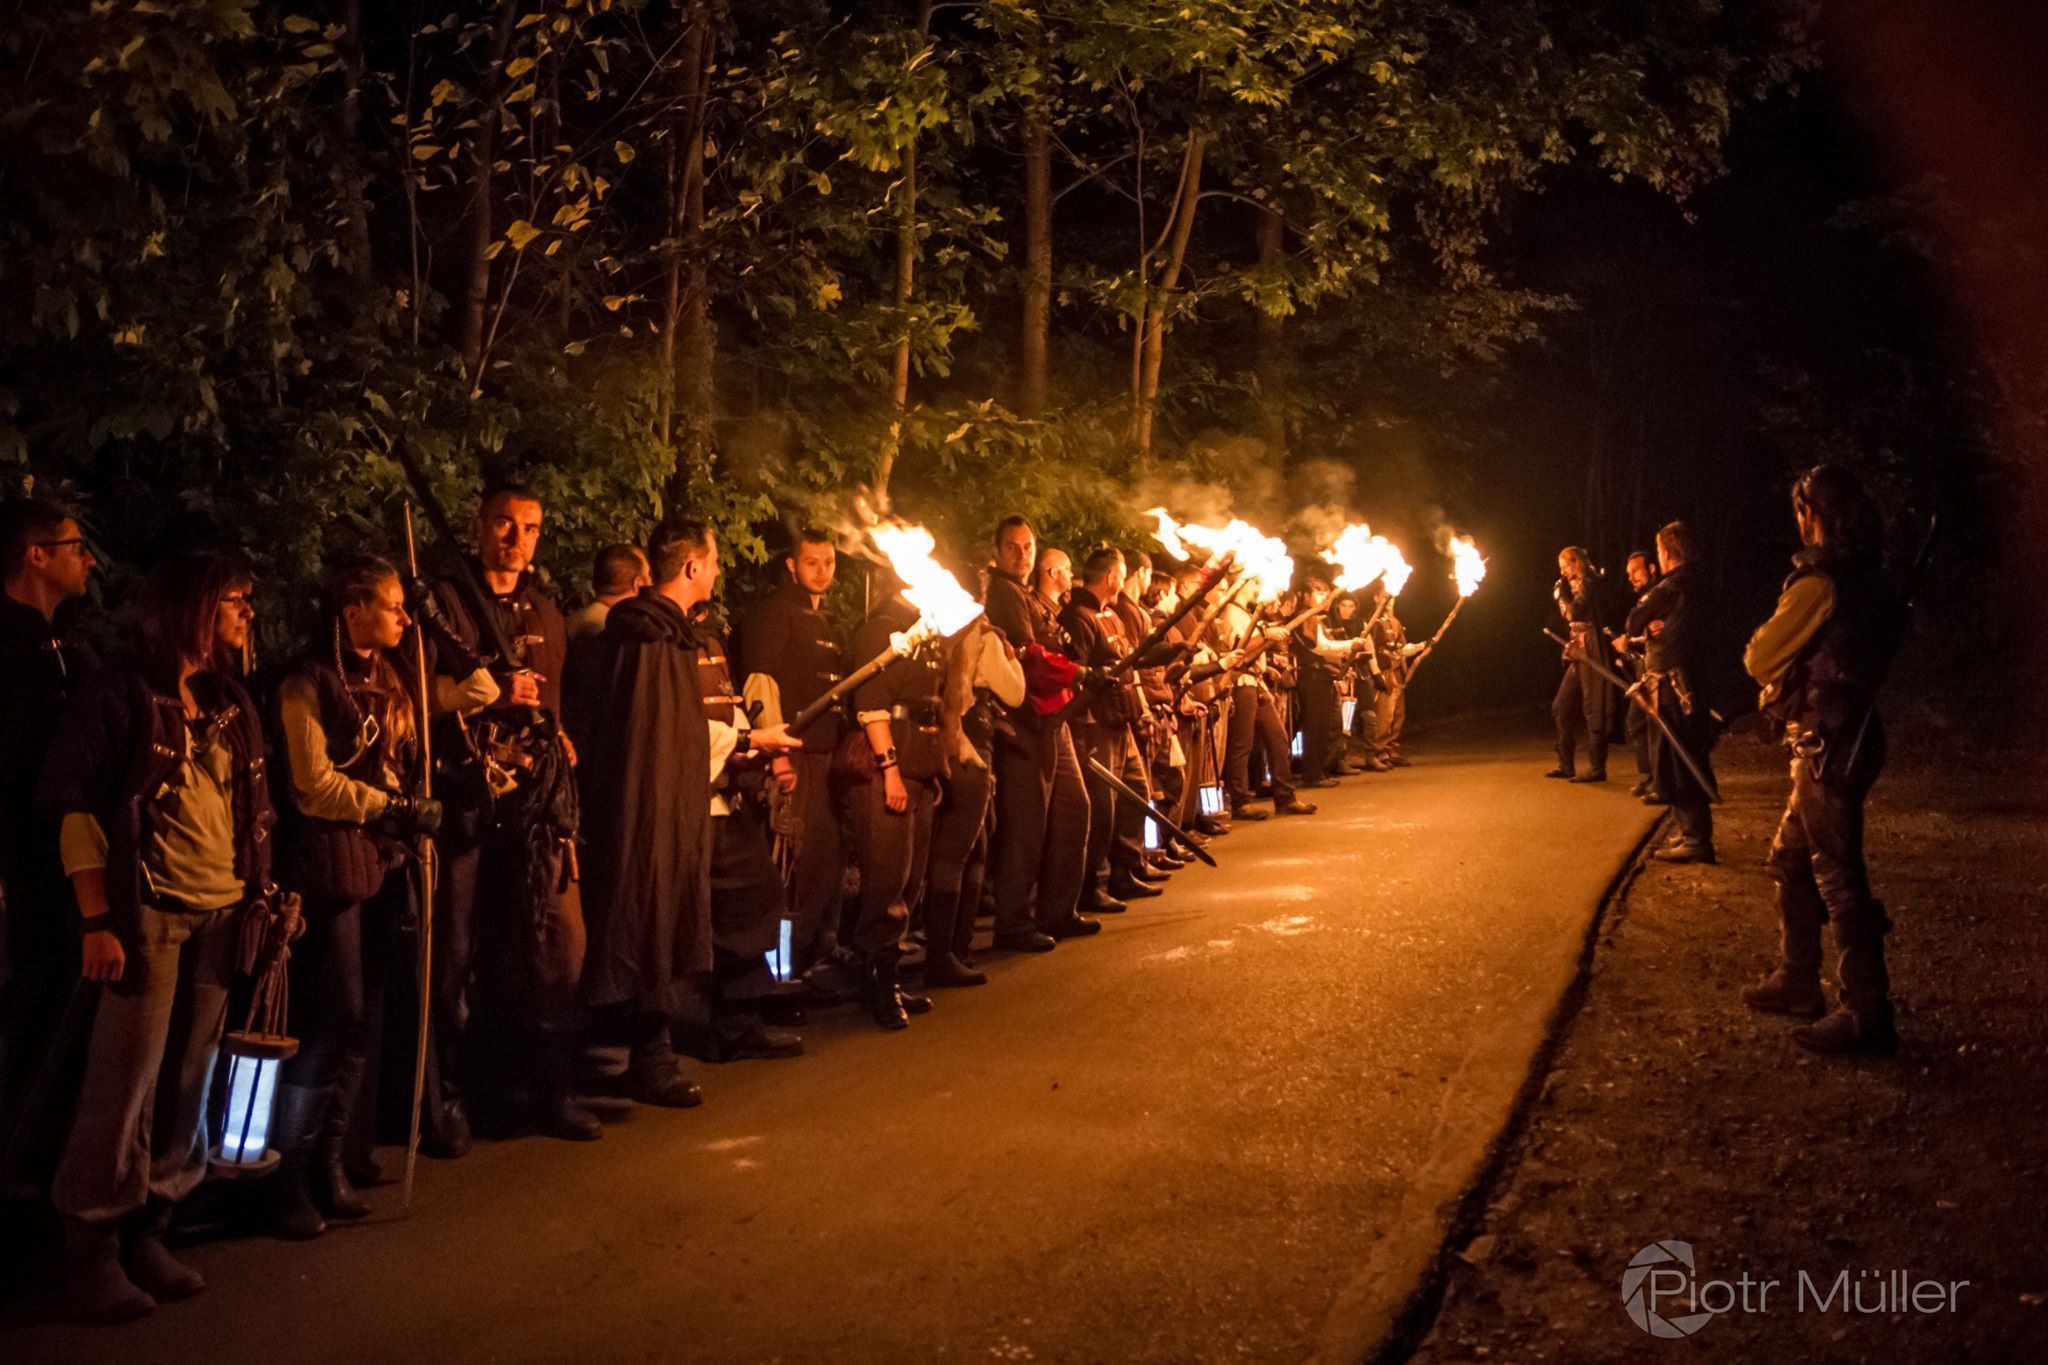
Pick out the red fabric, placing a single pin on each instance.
(1048, 678)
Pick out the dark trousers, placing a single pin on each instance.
(1638, 730)
(140, 1128)
(959, 843)
(39, 1052)
(893, 850)
(957, 827)
(506, 966)
(1690, 805)
(1318, 698)
(1582, 698)
(1041, 835)
(818, 889)
(1116, 826)
(1817, 861)
(338, 969)
(1255, 722)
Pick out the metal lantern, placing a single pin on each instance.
(1350, 713)
(1151, 835)
(254, 1060)
(1211, 798)
(259, 1048)
(1297, 748)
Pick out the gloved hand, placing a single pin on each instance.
(411, 818)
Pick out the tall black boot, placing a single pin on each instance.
(885, 994)
(941, 966)
(300, 1110)
(333, 1191)
(556, 1110)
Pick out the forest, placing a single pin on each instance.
(758, 258)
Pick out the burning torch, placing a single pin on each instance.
(944, 609)
(1468, 570)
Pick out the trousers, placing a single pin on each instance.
(1255, 722)
(140, 1128)
(1582, 697)
(1040, 847)
(820, 863)
(1116, 827)
(1817, 861)
(893, 850)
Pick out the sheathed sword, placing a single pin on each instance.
(1633, 691)
(1125, 789)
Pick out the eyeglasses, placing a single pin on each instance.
(238, 599)
(57, 544)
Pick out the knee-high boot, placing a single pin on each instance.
(300, 1112)
(333, 1191)
(942, 910)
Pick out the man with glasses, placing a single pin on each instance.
(44, 564)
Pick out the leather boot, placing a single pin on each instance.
(885, 995)
(300, 1110)
(1846, 1032)
(333, 1191)
(556, 1110)
(96, 1288)
(941, 920)
(150, 1264)
(1788, 990)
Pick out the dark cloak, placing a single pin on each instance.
(645, 769)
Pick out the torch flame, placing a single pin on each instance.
(940, 600)
(1260, 557)
(1466, 566)
(1361, 556)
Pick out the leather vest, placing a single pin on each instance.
(332, 862)
(1833, 681)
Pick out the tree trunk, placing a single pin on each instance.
(479, 230)
(1269, 336)
(906, 283)
(1181, 227)
(1033, 378)
(688, 344)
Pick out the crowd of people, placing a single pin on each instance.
(648, 835)
(1818, 662)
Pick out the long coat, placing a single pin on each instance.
(646, 765)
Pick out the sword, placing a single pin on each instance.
(1125, 789)
(1634, 693)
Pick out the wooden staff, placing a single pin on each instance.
(425, 852)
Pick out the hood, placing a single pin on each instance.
(648, 616)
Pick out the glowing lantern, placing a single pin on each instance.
(253, 1063)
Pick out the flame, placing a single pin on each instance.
(1466, 565)
(937, 595)
(1259, 556)
(1361, 556)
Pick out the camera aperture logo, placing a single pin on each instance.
(1653, 1277)
(1666, 1298)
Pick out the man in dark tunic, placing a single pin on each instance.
(647, 773)
(508, 928)
(892, 806)
(788, 657)
(45, 564)
(1819, 660)
(1642, 576)
(1673, 620)
(1116, 827)
(1582, 695)
(1041, 831)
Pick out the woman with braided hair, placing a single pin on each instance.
(347, 724)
